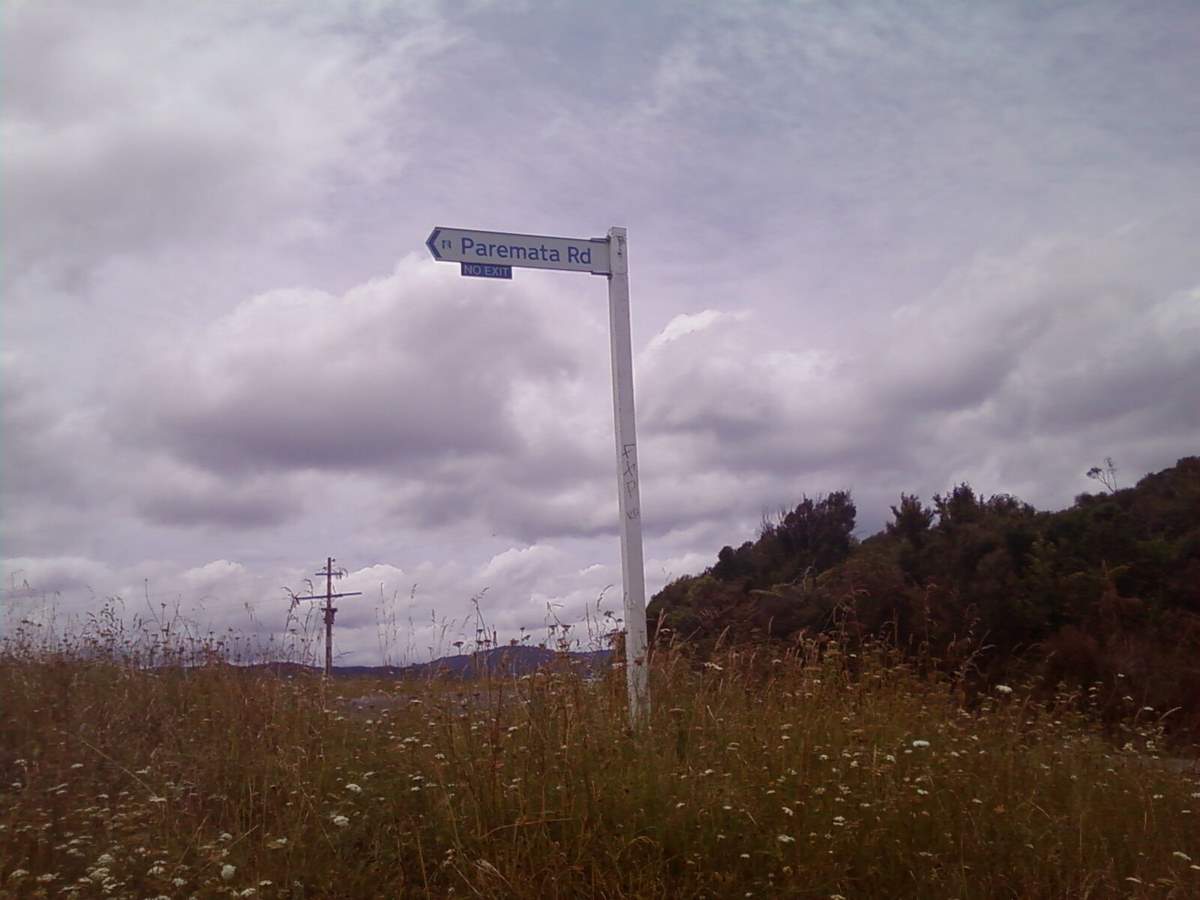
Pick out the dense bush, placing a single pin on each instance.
(1107, 590)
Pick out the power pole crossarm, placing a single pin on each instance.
(330, 610)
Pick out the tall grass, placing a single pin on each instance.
(807, 772)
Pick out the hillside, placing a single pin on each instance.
(1103, 596)
(510, 660)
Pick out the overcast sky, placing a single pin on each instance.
(875, 246)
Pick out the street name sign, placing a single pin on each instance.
(494, 254)
(527, 251)
(486, 270)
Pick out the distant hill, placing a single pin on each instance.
(1103, 596)
(508, 661)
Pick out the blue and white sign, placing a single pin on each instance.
(519, 250)
(486, 270)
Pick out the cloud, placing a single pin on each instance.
(464, 404)
(52, 477)
(134, 129)
(28, 577)
(175, 496)
(406, 368)
(524, 564)
(40, 436)
(690, 323)
(1061, 341)
(882, 249)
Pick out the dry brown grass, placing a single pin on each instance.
(799, 774)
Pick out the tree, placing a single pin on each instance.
(733, 564)
(912, 520)
(1107, 475)
(817, 534)
(958, 508)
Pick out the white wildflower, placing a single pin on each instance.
(354, 788)
(339, 821)
(1003, 689)
(785, 839)
(227, 872)
(920, 745)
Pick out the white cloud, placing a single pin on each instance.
(30, 577)
(523, 564)
(132, 129)
(219, 571)
(691, 323)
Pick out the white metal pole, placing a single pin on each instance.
(633, 574)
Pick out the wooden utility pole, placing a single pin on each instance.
(330, 610)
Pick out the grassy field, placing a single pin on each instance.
(808, 773)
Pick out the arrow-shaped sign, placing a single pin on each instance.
(519, 250)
